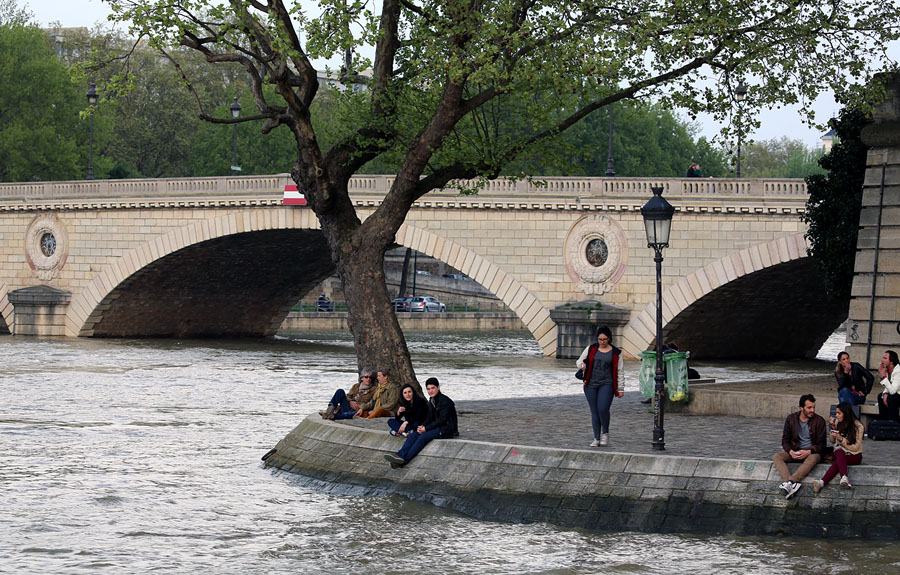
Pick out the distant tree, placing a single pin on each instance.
(42, 136)
(12, 15)
(779, 158)
(834, 204)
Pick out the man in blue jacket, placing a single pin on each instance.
(440, 424)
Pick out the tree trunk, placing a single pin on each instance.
(358, 255)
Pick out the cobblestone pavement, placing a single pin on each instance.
(565, 422)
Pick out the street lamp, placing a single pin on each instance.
(657, 214)
(610, 172)
(92, 100)
(740, 93)
(235, 113)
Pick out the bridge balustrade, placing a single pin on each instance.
(380, 184)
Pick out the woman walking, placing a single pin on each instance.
(847, 436)
(603, 365)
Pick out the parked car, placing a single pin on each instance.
(459, 277)
(426, 303)
(401, 303)
(423, 272)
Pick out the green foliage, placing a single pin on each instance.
(779, 158)
(41, 134)
(834, 204)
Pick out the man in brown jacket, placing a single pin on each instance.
(803, 440)
(346, 405)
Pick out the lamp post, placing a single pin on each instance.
(610, 172)
(740, 93)
(92, 100)
(235, 113)
(657, 214)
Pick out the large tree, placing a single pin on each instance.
(443, 72)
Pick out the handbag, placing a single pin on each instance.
(579, 374)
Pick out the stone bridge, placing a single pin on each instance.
(219, 257)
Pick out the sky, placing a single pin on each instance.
(775, 124)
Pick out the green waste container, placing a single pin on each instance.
(646, 377)
(677, 374)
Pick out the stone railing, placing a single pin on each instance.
(270, 188)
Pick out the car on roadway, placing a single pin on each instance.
(401, 303)
(426, 303)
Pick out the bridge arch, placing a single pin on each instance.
(510, 291)
(98, 299)
(766, 301)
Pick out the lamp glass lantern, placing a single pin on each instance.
(235, 113)
(657, 214)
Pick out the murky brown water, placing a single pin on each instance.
(135, 456)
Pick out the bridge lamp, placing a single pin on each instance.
(92, 100)
(740, 94)
(235, 113)
(657, 214)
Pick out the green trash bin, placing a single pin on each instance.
(677, 375)
(647, 374)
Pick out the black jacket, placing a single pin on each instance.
(859, 379)
(442, 415)
(416, 413)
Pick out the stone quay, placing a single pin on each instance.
(523, 460)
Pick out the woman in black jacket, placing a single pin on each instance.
(411, 412)
(854, 381)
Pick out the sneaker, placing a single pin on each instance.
(604, 439)
(794, 488)
(595, 443)
(845, 482)
(394, 460)
(784, 486)
(405, 434)
(818, 485)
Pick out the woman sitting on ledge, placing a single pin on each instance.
(384, 402)
(412, 411)
(847, 436)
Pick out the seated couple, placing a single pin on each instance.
(440, 423)
(365, 399)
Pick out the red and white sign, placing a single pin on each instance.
(292, 197)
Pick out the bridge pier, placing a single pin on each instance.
(39, 310)
(577, 325)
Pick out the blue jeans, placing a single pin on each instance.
(599, 399)
(416, 443)
(846, 395)
(395, 424)
(342, 409)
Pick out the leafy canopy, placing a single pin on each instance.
(460, 87)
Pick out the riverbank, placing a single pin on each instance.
(409, 321)
(528, 459)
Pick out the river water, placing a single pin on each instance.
(129, 456)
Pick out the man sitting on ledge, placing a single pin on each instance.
(440, 424)
(803, 439)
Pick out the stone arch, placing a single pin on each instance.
(774, 263)
(517, 297)
(88, 306)
(6, 309)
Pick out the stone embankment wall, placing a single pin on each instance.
(589, 488)
(456, 321)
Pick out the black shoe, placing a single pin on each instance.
(648, 400)
(394, 460)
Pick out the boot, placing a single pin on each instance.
(328, 413)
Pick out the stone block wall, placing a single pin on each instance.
(590, 489)
(874, 324)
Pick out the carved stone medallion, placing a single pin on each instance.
(596, 254)
(46, 246)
